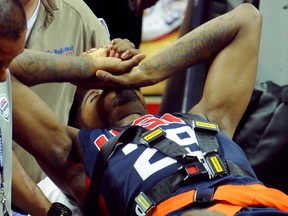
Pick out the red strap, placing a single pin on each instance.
(233, 198)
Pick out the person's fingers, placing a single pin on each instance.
(126, 65)
(121, 45)
(115, 40)
(112, 53)
(107, 77)
(139, 57)
(117, 55)
(111, 45)
(124, 80)
(134, 61)
(104, 76)
(126, 55)
(130, 53)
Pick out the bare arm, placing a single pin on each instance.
(231, 77)
(34, 67)
(26, 195)
(232, 42)
(37, 130)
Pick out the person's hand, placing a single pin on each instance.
(138, 77)
(101, 60)
(122, 48)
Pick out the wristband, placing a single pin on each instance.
(58, 209)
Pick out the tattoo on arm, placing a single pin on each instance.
(40, 67)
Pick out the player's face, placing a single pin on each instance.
(9, 49)
(108, 108)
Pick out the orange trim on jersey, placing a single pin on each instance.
(232, 197)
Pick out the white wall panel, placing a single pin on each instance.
(273, 59)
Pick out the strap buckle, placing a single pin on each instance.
(203, 196)
(216, 167)
(152, 136)
(146, 205)
(194, 172)
(207, 126)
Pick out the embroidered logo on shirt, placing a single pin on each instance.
(4, 107)
(67, 50)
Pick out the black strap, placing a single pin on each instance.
(91, 204)
(237, 170)
(164, 145)
(163, 188)
(207, 141)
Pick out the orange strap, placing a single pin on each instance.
(232, 197)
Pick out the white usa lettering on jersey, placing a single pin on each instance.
(143, 166)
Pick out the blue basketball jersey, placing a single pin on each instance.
(135, 168)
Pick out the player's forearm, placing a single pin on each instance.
(69, 172)
(37, 130)
(199, 45)
(26, 195)
(35, 67)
